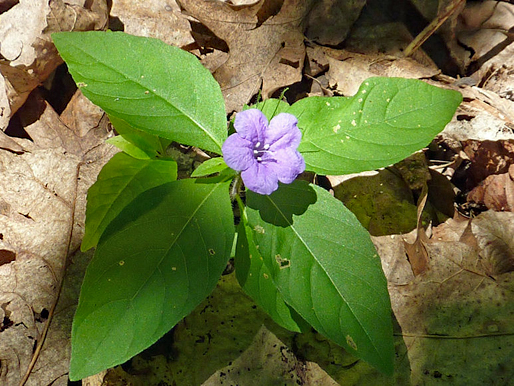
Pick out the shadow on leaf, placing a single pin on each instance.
(279, 207)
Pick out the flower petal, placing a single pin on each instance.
(260, 179)
(289, 164)
(238, 153)
(251, 125)
(283, 132)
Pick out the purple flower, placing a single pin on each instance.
(264, 154)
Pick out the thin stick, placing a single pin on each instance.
(432, 27)
(432, 336)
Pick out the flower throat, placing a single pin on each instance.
(259, 150)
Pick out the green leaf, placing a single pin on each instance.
(121, 180)
(255, 279)
(128, 147)
(151, 145)
(386, 121)
(211, 166)
(154, 264)
(326, 268)
(154, 87)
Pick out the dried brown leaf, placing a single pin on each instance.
(154, 18)
(264, 48)
(42, 214)
(487, 158)
(417, 253)
(494, 231)
(442, 312)
(496, 192)
(29, 55)
(348, 69)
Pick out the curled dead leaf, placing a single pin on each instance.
(496, 192)
(349, 69)
(265, 43)
(493, 231)
(27, 50)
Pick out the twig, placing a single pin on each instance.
(432, 27)
(434, 336)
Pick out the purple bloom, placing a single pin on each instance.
(264, 154)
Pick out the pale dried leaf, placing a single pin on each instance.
(494, 231)
(483, 115)
(484, 26)
(159, 19)
(240, 2)
(455, 300)
(43, 192)
(265, 43)
(348, 69)
(267, 361)
(30, 56)
(496, 73)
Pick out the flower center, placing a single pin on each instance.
(259, 150)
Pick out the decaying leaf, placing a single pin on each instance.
(348, 70)
(417, 253)
(452, 315)
(330, 20)
(28, 54)
(382, 202)
(496, 192)
(154, 18)
(493, 231)
(267, 361)
(43, 192)
(265, 43)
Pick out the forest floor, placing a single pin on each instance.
(448, 255)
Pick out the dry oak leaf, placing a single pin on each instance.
(265, 43)
(452, 315)
(348, 69)
(27, 53)
(159, 19)
(496, 192)
(483, 115)
(42, 210)
(484, 28)
(493, 231)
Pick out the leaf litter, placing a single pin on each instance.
(455, 311)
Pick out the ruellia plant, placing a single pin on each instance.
(162, 243)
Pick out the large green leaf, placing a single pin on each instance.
(325, 266)
(255, 279)
(386, 121)
(154, 264)
(121, 180)
(154, 87)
